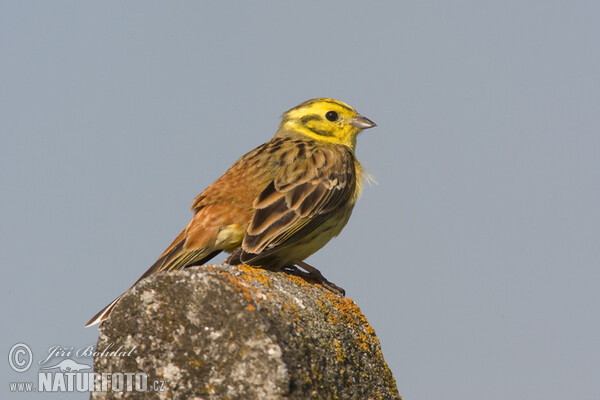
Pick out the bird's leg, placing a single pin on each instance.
(314, 275)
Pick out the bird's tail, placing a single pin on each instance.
(174, 258)
(104, 313)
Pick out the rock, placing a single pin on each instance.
(226, 332)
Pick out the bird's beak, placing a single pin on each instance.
(361, 122)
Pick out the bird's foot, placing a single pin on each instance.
(314, 275)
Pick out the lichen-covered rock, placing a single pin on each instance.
(225, 332)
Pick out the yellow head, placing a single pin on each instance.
(324, 120)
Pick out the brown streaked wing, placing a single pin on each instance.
(289, 209)
(244, 180)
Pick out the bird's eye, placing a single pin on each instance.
(332, 116)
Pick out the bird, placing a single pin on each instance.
(279, 203)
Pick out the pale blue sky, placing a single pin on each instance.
(475, 258)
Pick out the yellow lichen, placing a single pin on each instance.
(341, 356)
(240, 284)
(208, 389)
(363, 342)
(296, 279)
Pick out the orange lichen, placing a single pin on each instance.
(250, 283)
(297, 280)
(208, 389)
(363, 342)
(351, 315)
(341, 356)
(326, 310)
(240, 284)
(257, 274)
(290, 308)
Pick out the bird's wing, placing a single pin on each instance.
(300, 199)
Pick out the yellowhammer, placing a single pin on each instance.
(279, 203)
